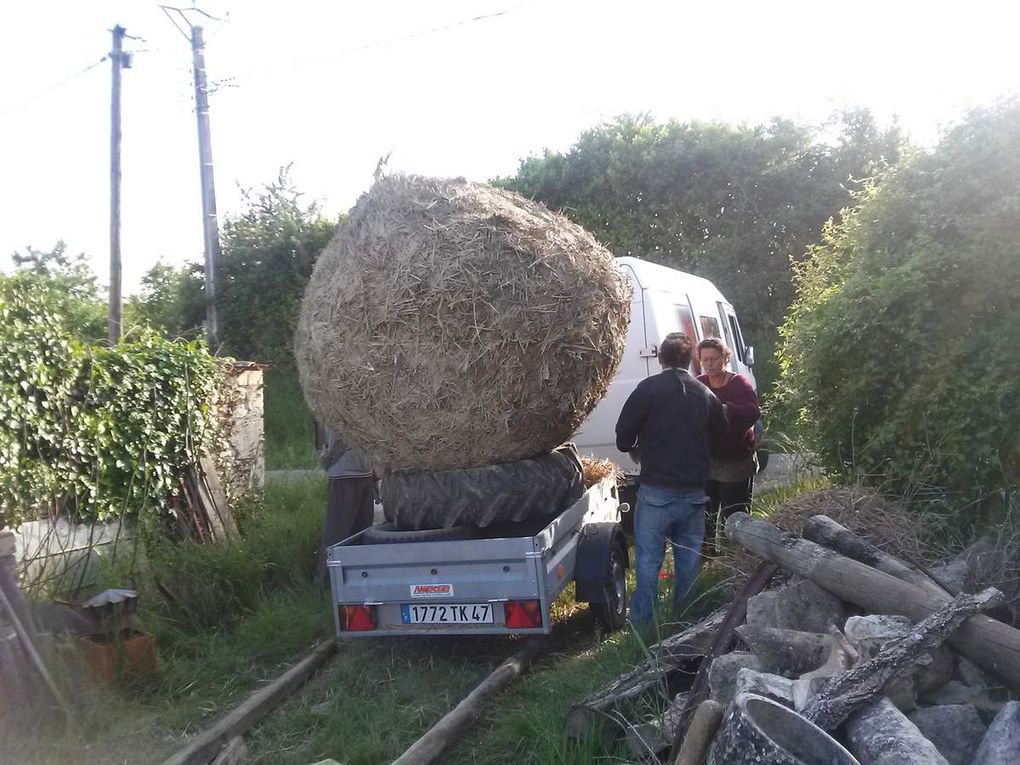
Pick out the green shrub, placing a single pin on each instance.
(278, 550)
(900, 352)
(95, 431)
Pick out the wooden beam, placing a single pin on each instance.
(827, 532)
(206, 745)
(990, 644)
(431, 746)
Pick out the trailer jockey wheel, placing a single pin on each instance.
(612, 615)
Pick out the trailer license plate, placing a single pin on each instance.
(446, 613)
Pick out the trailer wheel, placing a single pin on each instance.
(387, 533)
(612, 614)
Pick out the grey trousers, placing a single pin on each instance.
(349, 509)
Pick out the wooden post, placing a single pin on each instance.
(990, 644)
(431, 746)
(206, 745)
(114, 317)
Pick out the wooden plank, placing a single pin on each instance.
(203, 747)
(666, 660)
(234, 753)
(218, 498)
(990, 644)
(723, 642)
(28, 644)
(431, 746)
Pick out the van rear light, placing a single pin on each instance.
(357, 618)
(523, 614)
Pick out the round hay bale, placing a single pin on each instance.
(451, 324)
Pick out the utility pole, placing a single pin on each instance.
(210, 224)
(114, 315)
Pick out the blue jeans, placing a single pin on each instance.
(663, 515)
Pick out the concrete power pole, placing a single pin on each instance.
(114, 315)
(209, 221)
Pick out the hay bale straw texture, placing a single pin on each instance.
(451, 324)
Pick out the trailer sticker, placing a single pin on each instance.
(431, 590)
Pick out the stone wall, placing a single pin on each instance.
(242, 462)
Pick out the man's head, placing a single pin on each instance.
(675, 351)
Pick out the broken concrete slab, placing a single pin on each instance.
(955, 729)
(1001, 744)
(870, 634)
(953, 574)
(779, 689)
(722, 675)
(800, 605)
(790, 653)
(880, 734)
(955, 692)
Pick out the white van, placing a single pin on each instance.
(664, 301)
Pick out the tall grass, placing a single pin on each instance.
(289, 425)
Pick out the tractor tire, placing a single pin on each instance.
(482, 496)
(387, 533)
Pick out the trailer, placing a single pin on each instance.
(492, 584)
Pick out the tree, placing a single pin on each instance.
(172, 300)
(268, 254)
(736, 204)
(69, 286)
(900, 351)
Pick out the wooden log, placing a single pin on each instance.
(848, 691)
(645, 740)
(990, 644)
(700, 733)
(430, 747)
(655, 676)
(234, 753)
(825, 531)
(723, 642)
(758, 731)
(203, 747)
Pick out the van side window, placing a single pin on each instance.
(686, 319)
(710, 327)
(738, 348)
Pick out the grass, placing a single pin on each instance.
(289, 425)
(374, 698)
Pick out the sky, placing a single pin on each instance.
(444, 87)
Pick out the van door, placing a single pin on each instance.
(735, 340)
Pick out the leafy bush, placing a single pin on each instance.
(900, 352)
(268, 254)
(95, 431)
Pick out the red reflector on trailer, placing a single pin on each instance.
(357, 618)
(523, 614)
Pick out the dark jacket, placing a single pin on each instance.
(669, 418)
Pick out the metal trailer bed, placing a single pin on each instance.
(502, 585)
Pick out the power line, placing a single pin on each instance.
(311, 61)
(46, 91)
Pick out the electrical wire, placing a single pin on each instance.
(46, 91)
(314, 60)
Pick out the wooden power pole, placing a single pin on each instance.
(209, 221)
(114, 316)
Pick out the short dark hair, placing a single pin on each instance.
(716, 344)
(675, 350)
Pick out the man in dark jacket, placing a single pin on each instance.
(667, 420)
